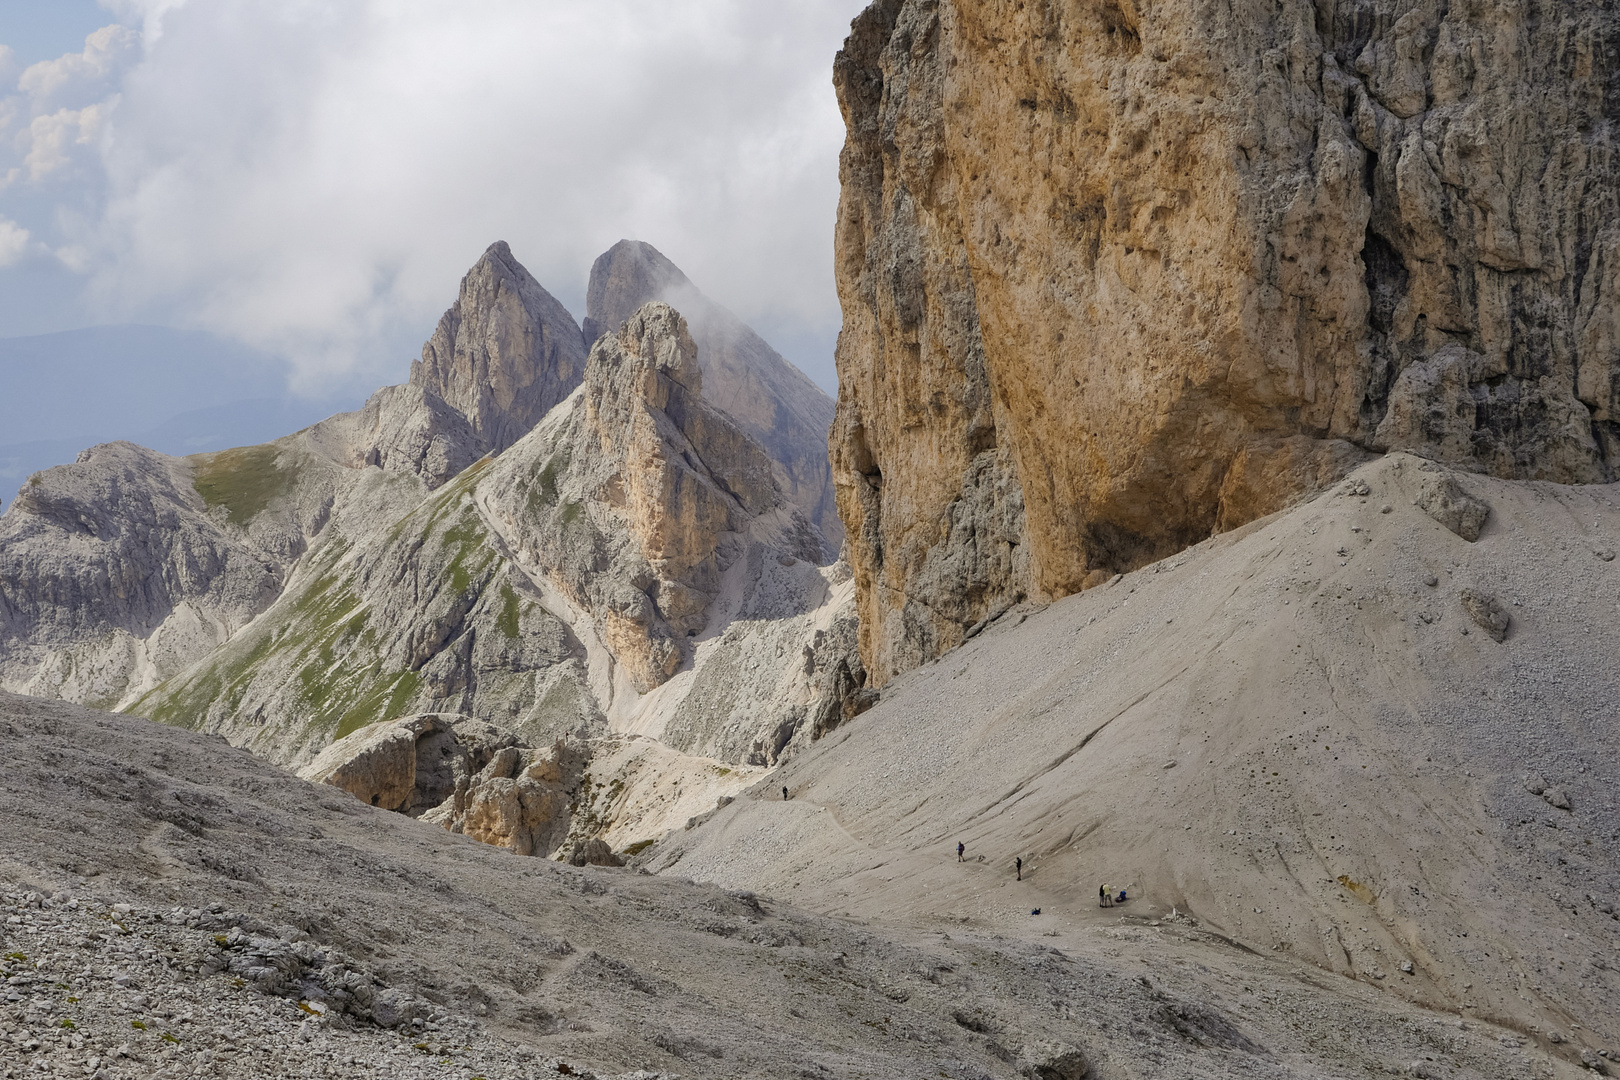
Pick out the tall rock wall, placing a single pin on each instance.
(1118, 276)
(769, 398)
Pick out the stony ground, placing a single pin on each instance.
(256, 925)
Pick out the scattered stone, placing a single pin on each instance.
(1445, 500)
(1406, 967)
(1606, 554)
(1430, 580)
(1052, 1061)
(1556, 798)
(1487, 612)
(1535, 785)
(593, 852)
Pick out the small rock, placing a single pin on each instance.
(1406, 967)
(1554, 1038)
(1169, 764)
(1535, 785)
(1052, 1061)
(1386, 509)
(1446, 502)
(1430, 580)
(1556, 798)
(1606, 554)
(1487, 612)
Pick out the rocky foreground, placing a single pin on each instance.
(176, 907)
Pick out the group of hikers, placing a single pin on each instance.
(1105, 893)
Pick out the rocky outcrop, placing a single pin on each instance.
(116, 572)
(1114, 278)
(768, 397)
(461, 773)
(504, 354)
(410, 765)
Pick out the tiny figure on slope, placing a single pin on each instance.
(1020, 861)
(784, 793)
(1104, 898)
(959, 849)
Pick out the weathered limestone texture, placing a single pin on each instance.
(1115, 277)
(768, 397)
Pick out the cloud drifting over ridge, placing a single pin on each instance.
(315, 177)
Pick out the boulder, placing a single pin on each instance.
(1445, 500)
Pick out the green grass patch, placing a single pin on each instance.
(639, 846)
(508, 618)
(244, 481)
(387, 699)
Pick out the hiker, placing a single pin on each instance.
(784, 793)
(1020, 862)
(959, 849)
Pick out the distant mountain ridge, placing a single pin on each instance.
(565, 547)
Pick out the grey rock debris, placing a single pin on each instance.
(1445, 500)
(1488, 613)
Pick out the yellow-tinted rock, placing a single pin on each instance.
(1116, 277)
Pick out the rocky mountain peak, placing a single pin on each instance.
(623, 278)
(768, 397)
(505, 352)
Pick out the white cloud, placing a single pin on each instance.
(106, 52)
(13, 242)
(52, 138)
(315, 178)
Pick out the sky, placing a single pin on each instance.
(311, 178)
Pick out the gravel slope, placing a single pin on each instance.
(289, 899)
(1287, 732)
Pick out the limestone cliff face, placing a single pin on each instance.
(504, 354)
(769, 398)
(1115, 277)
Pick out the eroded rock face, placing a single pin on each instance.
(769, 398)
(1153, 273)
